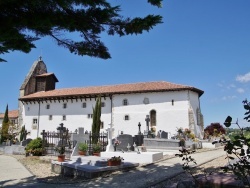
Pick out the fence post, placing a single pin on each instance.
(43, 142)
(50, 139)
(102, 140)
(90, 143)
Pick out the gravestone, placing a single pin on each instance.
(162, 134)
(125, 139)
(80, 131)
(138, 139)
(189, 144)
(80, 136)
(26, 142)
(199, 145)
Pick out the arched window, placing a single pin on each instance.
(125, 102)
(153, 118)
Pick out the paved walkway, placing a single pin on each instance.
(145, 176)
(13, 172)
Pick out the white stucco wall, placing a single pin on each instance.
(169, 115)
(76, 116)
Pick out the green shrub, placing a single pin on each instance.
(83, 147)
(97, 148)
(35, 147)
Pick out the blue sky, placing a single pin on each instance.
(204, 44)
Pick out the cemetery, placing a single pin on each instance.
(132, 151)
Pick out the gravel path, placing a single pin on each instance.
(210, 167)
(41, 168)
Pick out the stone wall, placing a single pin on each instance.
(13, 150)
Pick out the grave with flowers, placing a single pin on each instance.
(124, 146)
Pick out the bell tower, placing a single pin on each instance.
(36, 80)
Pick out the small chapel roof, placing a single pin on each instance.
(47, 75)
(107, 90)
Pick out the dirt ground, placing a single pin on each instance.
(41, 168)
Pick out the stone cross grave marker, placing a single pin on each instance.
(109, 147)
(79, 136)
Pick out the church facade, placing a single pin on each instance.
(167, 105)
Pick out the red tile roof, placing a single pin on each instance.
(111, 89)
(11, 114)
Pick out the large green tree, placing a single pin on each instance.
(5, 126)
(23, 22)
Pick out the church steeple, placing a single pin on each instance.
(36, 80)
(29, 84)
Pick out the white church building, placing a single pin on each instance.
(168, 105)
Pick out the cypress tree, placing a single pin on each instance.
(96, 120)
(22, 133)
(5, 125)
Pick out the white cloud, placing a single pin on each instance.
(228, 97)
(243, 78)
(231, 86)
(223, 85)
(240, 90)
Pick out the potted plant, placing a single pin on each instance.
(97, 149)
(82, 148)
(115, 161)
(61, 151)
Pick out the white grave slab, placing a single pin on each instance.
(210, 145)
(134, 157)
